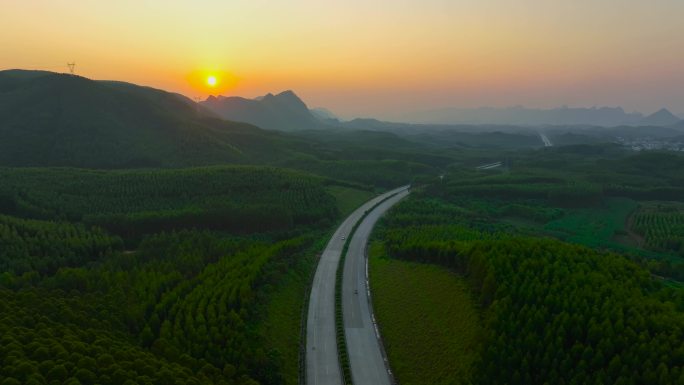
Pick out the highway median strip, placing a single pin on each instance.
(342, 352)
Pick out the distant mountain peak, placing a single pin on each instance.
(662, 117)
(663, 112)
(288, 93)
(282, 111)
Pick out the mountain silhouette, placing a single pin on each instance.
(284, 111)
(51, 119)
(662, 117)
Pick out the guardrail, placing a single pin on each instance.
(376, 326)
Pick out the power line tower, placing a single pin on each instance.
(72, 68)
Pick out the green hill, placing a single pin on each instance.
(50, 119)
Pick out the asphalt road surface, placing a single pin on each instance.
(322, 363)
(368, 363)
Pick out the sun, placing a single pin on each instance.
(212, 81)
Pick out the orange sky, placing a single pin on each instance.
(367, 57)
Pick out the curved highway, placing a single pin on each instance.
(322, 363)
(366, 358)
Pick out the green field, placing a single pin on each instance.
(429, 321)
(594, 226)
(349, 199)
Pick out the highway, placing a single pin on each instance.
(545, 139)
(322, 363)
(368, 365)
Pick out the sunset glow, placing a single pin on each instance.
(348, 55)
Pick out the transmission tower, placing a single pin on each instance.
(72, 67)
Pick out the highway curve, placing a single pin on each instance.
(322, 363)
(366, 358)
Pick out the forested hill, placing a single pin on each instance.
(50, 119)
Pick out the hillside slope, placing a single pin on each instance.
(49, 119)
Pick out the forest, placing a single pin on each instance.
(571, 257)
(576, 267)
(138, 202)
(153, 276)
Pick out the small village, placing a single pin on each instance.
(650, 143)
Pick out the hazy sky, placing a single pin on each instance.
(367, 57)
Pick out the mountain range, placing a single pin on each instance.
(51, 119)
(603, 116)
(287, 112)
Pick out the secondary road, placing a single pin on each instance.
(322, 363)
(366, 358)
(545, 139)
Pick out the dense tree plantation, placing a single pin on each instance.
(33, 246)
(662, 226)
(558, 313)
(239, 199)
(573, 312)
(181, 302)
(553, 312)
(181, 307)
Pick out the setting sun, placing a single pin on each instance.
(211, 80)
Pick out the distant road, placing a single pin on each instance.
(322, 363)
(545, 139)
(367, 361)
(489, 166)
